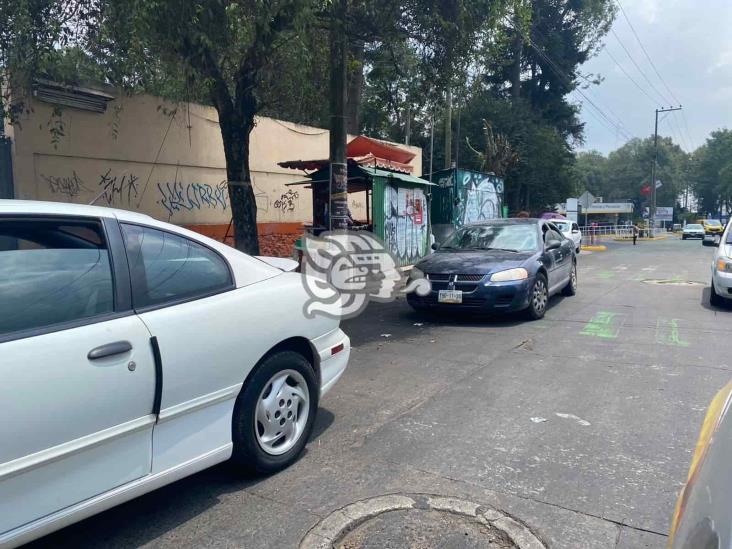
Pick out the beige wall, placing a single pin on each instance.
(138, 156)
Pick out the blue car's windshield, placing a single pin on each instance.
(516, 238)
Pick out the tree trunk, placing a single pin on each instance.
(518, 48)
(236, 137)
(355, 89)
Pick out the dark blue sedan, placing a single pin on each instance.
(498, 265)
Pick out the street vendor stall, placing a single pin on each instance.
(397, 207)
(462, 197)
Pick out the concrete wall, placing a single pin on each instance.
(139, 156)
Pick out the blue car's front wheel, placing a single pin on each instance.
(538, 298)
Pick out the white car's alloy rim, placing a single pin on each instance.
(282, 412)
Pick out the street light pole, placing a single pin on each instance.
(653, 168)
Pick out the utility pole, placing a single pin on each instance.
(432, 142)
(655, 165)
(338, 193)
(448, 131)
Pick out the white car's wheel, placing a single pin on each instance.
(274, 413)
(715, 299)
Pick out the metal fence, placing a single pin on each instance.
(591, 233)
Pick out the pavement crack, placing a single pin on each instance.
(620, 523)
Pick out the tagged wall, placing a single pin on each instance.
(143, 154)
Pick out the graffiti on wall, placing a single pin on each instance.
(287, 201)
(405, 223)
(69, 186)
(117, 189)
(112, 189)
(177, 196)
(480, 198)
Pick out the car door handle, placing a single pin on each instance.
(110, 349)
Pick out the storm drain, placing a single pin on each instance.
(672, 282)
(419, 520)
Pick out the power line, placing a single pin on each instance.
(686, 127)
(625, 15)
(614, 125)
(586, 79)
(653, 101)
(643, 74)
(573, 88)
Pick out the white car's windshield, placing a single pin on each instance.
(694, 227)
(564, 226)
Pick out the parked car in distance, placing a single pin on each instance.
(570, 230)
(704, 506)
(711, 226)
(721, 291)
(498, 265)
(693, 230)
(135, 353)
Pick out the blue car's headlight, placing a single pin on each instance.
(510, 275)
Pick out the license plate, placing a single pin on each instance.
(450, 296)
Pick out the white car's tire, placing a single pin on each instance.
(715, 299)
(274, 414)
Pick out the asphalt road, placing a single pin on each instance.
(580, 425)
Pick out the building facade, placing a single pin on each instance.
(163, 159)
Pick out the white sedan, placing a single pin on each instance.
(721, 291)
(135, 353)
(570, 230)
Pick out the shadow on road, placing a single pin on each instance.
(397, 320)
(147, 518)
(706, 293)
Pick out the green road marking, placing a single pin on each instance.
(606, 274)
(667, 333)
(604, 324)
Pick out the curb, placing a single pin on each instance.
(594, 247)
(326, 533)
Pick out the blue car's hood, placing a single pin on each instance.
(472, 261)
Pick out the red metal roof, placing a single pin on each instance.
(364, 151)
(363, 146)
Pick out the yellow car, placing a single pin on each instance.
(702, 515)
(711, 226)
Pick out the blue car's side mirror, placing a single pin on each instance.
(553, 245)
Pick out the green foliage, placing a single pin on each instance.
(623, 173)
(712, 164)
(590, 172)
(31, 32)
(542, 175)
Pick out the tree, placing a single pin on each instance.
(221, 50)
(590, 171)
(711, 172)
(30, 34)
(498, 156)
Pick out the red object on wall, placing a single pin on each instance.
(646, 190)
(417, 211)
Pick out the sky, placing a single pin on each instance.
(690, 44)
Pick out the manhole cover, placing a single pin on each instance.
(672, 282)
(419, 521)
(417, 528)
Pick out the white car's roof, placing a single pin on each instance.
(64, 208)
(247, 269)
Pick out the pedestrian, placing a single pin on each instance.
(635, 234)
